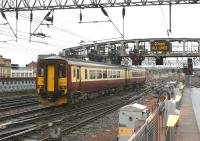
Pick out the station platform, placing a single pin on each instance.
(189, 123)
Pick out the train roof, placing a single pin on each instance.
(74, 61)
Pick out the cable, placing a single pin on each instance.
(164, 20)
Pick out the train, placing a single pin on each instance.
(63, 80)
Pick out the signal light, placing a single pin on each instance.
(137, 60)
(123, 12)
(190, 67)
(159, 61)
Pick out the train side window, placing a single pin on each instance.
(92, 74)
(109, 74)
(99, 74)
(132, 74)
(104, 74)
(74, 73)
(114, 74)
(62, 70)
(78, 73)
(40, 71)
(86, 74)
(122, 74)
(118, 74)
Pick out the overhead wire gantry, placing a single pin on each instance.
(31, 5)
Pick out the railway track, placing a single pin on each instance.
(85, 114)
(196, 81)
(17, 126)
(17, 102)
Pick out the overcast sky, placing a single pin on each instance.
(140, 22)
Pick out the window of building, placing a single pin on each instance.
(92, 74)
(22, 75)
(26, 74)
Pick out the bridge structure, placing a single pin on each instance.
(136, 49)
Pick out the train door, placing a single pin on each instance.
(127, 76)
(78, 78)
(50, 78)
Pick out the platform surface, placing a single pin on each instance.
(190, 116)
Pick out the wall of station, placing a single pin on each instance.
(17, 84)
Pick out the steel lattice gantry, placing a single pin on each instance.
(124, 44)
(29, 5)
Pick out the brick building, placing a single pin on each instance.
(5, 67)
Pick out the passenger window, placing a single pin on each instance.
(85, 73)
(74, 73)
(114, 74)
(118, 74)
(92, 74)
(62, 70)
(99, 74)
(104, 74)
(40, 71)
(109, 74)
(78, 75)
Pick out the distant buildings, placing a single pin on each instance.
(14, 71)
(5, 67)
(22, 72)
(32, 66)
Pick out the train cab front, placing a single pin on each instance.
(52, 82)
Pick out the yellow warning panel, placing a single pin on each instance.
(124, 131)
(172, 120)
(50, 78)
(40, 80)
(62, 81)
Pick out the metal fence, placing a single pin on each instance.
(16, 85)
(154, 127)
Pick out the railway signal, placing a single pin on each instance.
(137, 59)
(159, 61)
(190, 67)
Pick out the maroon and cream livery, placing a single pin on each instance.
(62, 80)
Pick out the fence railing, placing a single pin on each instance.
(17, 84)
(155, 128)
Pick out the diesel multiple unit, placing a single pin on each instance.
(61, 80)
